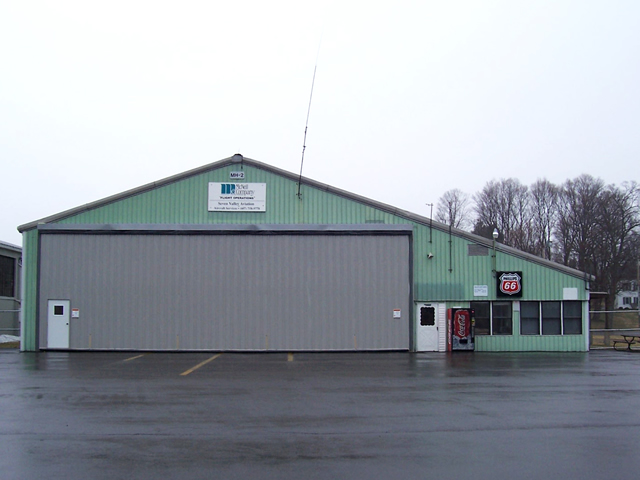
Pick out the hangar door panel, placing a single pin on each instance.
(230, 292)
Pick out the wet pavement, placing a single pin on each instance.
(325, 415)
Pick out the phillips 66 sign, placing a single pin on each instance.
(509, 284)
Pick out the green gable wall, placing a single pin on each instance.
(447, 277)
(29, 290)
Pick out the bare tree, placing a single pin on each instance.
(516, 196)
(597, 232)
(453, 209)
(615, 236)
(487, 206)
(544, 213)
(503, 205)
(578, 221)
(583, 224)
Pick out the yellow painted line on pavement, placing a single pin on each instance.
(201, 364)
(133, 358)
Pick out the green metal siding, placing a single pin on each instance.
(29, 293)
(186, 202)
(447, 277)
(540, 282)
(530, 343)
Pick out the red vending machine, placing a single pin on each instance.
(461, 328)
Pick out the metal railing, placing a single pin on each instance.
(5, 324)
(608, 326)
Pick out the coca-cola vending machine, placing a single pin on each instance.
(461, 328)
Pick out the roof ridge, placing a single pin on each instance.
(238, 158)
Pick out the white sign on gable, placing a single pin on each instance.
(237, 197)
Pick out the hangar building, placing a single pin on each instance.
(10, 265)
(241, 256)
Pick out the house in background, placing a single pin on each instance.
(10, 266)
(627, 298)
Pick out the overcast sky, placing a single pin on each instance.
(411, 99)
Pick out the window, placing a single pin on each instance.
(551, 318)
(572, 318)
(529, 318)
(427, 316)
(7, 276)
(482, 312)
(551, 324)
(493, 318)
(501, 323)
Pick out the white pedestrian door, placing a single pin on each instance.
(58, 324)
(427, 327)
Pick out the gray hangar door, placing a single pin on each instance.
(229, 291)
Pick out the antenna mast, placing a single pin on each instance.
(306, 125)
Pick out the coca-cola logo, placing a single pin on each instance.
(510, 283)
(461, 324)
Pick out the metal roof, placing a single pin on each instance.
(239, 159)
(10, 246)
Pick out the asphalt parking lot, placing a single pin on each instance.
(324, 415)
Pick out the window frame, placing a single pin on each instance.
(550, 320)
(537, 318)
(431, 321)
(8, 276)
(492, 317)
(480, 330)
(564, 319)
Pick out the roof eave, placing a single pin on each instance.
(239, 159)
(10, 246)
(128, 193)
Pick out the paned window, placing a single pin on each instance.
(572, 317)
(493, 318)
(551, 324)
(482, 312)
(501, 321)
(551, 318)
(7, 276)
(530, 318)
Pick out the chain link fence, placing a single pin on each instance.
(9, 322)
(9, 328)
(620, 321)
